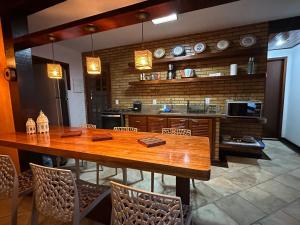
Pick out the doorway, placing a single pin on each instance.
(274, 97)
(53, 96)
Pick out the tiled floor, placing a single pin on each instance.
(250, 191)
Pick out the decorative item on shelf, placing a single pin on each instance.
(247, 41)
(30, 126)
(200, 47)
(159, 53)
(233, 69)
(222, 45)
(93, 63)
(178, 50)
(54, 70)
(42, 123)
(143, 58)
(142, 76)
(187, 73)
(216, 74)
(171, 74)
(251, 66)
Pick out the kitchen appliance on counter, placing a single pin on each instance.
(247, 109)
(111, 118)
(137, 106)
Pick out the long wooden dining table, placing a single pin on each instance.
(185, 157)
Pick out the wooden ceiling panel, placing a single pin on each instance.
(114, 19)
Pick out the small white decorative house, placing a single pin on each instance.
(42, 123)
(30, 126)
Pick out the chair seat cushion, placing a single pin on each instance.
(90, 194)
(25, 182)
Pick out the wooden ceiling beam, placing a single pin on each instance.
(114, 19)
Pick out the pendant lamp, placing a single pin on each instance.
(93, 63)
(143, 57)
(54, 70)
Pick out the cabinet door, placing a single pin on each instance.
(178, 123)
(139, 122)
(155, 124)
(201, 127)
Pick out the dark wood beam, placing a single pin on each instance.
(283, 25)
(114, 19)
(25, 7)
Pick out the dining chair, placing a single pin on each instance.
(13, 185)
(172, 131)
(57, 195)
(134, 206)
(124, 170)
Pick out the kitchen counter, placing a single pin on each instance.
(180, 114)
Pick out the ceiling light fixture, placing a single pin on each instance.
(165, 19)
(54, 70)
(143, 58)
(282, 38)
(93, 63)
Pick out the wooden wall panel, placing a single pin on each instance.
(6, 114)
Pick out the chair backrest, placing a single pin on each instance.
(55, 193)
(134, 206)
(88, 125)
(174, 131)
(8, 177)
(133, 129)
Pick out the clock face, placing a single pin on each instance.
(178, 50)
(159, 53)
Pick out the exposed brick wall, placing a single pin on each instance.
(218, 91)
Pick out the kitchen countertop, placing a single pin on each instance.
(180, 114)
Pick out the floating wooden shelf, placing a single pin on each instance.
(198, 79)
(207, 56)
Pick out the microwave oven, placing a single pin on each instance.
(248, 109)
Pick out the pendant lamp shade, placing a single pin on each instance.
(93, 65)
(143, 59)
(54, 71)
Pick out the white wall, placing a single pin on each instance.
(77, 110)
(291, 111)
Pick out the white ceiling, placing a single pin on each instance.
(229, 15)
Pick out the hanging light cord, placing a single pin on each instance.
(142, 34)
(92, 41)
(52, 46)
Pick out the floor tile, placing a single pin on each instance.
(259, 174)
(279, 218)
(295, 173)
(263, 200)
(293, 209)
(271, 167)
(289, 180)
(281, 191)
(241, 179)
(217, 171)
(223, 186)
(240, 210)
(211, 215)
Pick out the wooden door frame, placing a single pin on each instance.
(282, 91)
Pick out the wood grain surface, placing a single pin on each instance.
(187, 157)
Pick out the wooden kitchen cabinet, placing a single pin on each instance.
(201, 127)
(139, 122)
(178, 123)
(155, 124)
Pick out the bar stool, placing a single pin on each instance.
(134, 206)
(124, 170)
(57, 195)
(172, 131)
(13, 185)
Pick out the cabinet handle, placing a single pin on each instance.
(160, 119)
(182, 120)
(137, 121)
(195, 121)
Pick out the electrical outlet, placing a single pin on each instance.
(154, 102)
(117, 101)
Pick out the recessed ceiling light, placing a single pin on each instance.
(165, 19)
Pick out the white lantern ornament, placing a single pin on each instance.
(42, 123)
(30, 126)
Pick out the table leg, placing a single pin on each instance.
(183, 189)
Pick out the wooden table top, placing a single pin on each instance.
(182, 156)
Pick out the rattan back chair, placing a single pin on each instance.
(13, 185)
(124, 170)
(134, 206)
(172, 131)
(58, 196)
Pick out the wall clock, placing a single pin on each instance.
(178, 50)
